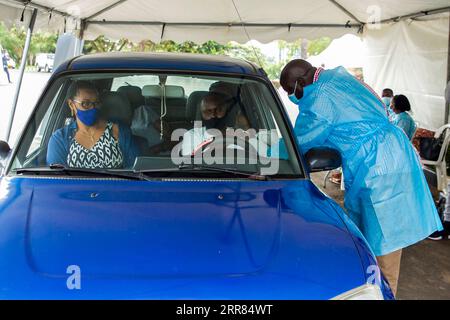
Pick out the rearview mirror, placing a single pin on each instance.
(4, 149)
(323, 159)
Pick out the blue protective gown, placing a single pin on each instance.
(386, 195)
(404, 121)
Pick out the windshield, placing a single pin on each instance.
(180, 124)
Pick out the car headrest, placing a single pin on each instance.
(116, 107)
(134, 95)
(226, 88)
(151, 91)
(193, 105)
(155, 91)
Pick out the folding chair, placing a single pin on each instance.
(440, 164)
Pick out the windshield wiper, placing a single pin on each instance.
(199, 167)
(60, 169)
(250, 175)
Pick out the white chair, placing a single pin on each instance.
(415, 130)
(440, 164)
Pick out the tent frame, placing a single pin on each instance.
(23, 64)
(360, 25)
(447, 103)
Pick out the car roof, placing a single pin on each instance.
(160, 61)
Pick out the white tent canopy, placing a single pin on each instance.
(412, 59)
(407, 47)
(347, 51)
(221, 20)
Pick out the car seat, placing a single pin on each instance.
(117, 108)
(133, 94)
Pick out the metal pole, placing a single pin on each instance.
(23, 63)
(447, 103)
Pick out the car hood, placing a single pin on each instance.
(117, 229)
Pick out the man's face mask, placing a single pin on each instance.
(211, 123)
(293, 97)
(387, 101)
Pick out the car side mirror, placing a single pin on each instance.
(5, 149)
(323, 159)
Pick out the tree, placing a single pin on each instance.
(315, 47)
(13, 40)
(103, 44)
(247, 52)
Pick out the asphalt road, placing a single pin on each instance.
(32, 85)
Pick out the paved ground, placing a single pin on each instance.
(32, 86)
(425, 267)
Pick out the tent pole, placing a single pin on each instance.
(33, 5)
(447, 103)
(417, 15)
(21, 72)
(222, 24)
(348, 13)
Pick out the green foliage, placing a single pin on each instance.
(13, 41)
(103, 44)
(286, 52)
(317, 46)
(247, 52)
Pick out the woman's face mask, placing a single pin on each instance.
(88, 117)
(86, 105)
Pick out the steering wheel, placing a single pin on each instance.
(223, 143)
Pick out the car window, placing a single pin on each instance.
(37, 142)
(156, 123)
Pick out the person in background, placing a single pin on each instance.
(400, 106)
(386, 193)
(5, 60)
(386, 95)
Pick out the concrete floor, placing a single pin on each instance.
(425, 266)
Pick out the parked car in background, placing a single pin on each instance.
(158, 229)
(44, 62)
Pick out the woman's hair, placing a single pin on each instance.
(401, 103)
(78, 85)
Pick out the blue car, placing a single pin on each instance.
(171, 176)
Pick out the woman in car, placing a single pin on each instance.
(90, 141)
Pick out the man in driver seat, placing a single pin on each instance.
(213, 107)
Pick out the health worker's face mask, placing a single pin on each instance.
(386, 101)
(293, 97)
